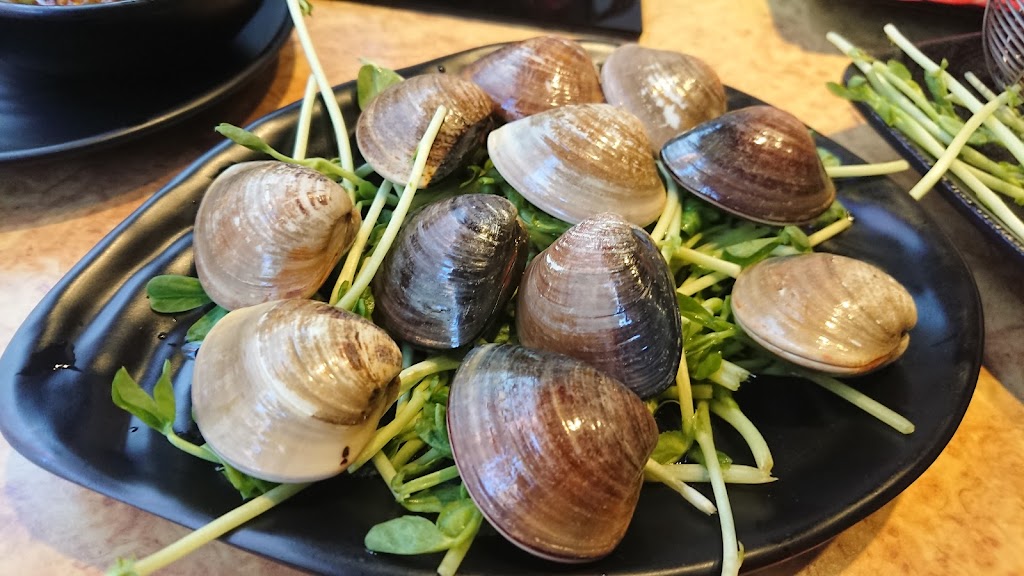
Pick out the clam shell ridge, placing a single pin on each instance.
(388, 131)
(269, 230)
(536, 75)
(668, 91)
(550, 449)
(292, 390)
(758, 162)
(826, 312)
(577, 161)
(455, 264)
(603, 294)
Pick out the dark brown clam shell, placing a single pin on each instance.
(535, 75)
(550, 449)
(759, 163)
(454, 265)
(389, 130)
(603, 294)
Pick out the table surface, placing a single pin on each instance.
(964, 515)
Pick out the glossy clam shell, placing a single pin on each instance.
(390, 128)
(603, 294)
(758, 162)
(826, 312)
(536, 75)
(269, 230)
(668, 91)
(551, 450)
(455, 265)
(577, 161)
(292, 390)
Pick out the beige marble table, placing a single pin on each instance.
(964, 515)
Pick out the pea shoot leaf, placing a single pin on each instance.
(407, 535)
(371, 81)
(171, 293)
(672, 445)
(198, 331)
(156, 411)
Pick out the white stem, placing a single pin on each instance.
(829, 231)
(980, 86)
(333, 111)
(730, 546)
(355, 252)
(859, 170)
(305, 118)
(658, 472)
(734, 474)
(707, 261)
(398, 216)
(690, 288)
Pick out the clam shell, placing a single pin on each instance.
(758, 162)
(455, 265)
(536, 75)
(603, 294)
(551, 450)
(270, 230)
(577, 161)
(669, 92)
(390, 128)
(826, 312)
(292, 390)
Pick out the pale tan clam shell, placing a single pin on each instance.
(292, 390)
(826, 312)
(668, 91)
(757, 162)
(577, 161)
(603, 294)
(270, 230)
(536, 437)
(453, 267)
(389, 130)
(535, 75)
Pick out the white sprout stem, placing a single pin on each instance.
(305, 118)
(398, 216)
(730, 546)
(684, 392)
(385, 468)
(861, 170)
(952, 152)
(386, 433)
(355, 252)
(861, 400)
(997, 184)
(404, 454)
(734, 474)
(216, 528)
(707, 261)
(969, 101)
(333, 111)
(671, 206)
(731, 413)
(980, 86)
(413, 374)
(689, 288)
(657, 472)
(829, 231)
(729, 375)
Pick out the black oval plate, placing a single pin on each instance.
(51, 117)
(964, 53)
(835, 464)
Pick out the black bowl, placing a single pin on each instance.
(124, 39)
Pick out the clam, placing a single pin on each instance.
(603, 294)
(550, 449)
(759, 163)
(389, 129)
(577, 161)
(668, 91)
(270, 230)
(535, 75)
(454, 265)
(292, 390)
(826, 312)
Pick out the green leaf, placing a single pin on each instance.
(899, 70)
(671, 446)
(707, 366)
(247, 486)
(756, 249)
(130, 397)
(455, 517)
(371, 81)
(163, 395)
(407, 535)
(432, 428)
(175, 293)
(122, 567)
(198, 331)
(795, 237)
(433, 499)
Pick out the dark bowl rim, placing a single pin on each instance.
(49, 12)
